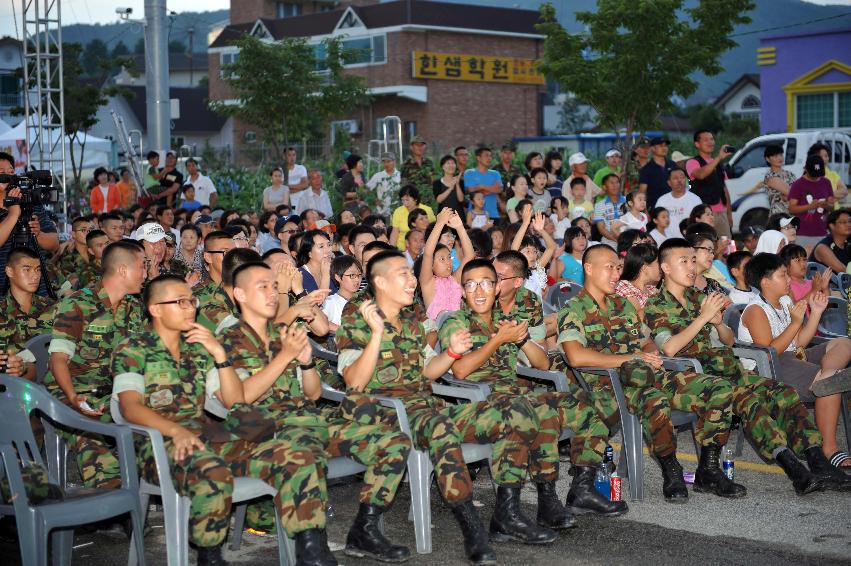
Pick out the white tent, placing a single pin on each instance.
(98, 151)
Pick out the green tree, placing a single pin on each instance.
(300, 106)
(176, 46)
(93, 55)
(636, 55)
(120, 50)
(706, 117)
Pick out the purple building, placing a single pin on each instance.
(805, 81)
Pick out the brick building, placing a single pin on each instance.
(453, 73)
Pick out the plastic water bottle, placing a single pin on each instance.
(729, 466)
(602, 481)
(609, 459)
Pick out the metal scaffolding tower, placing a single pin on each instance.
(45, 116)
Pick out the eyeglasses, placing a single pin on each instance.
(504, 278)
(353, 276)
(290, 231)
(183, 303)
(239, 239)
(487, 285)
(216, 252)
(705, 248)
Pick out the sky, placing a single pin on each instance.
(103, 11)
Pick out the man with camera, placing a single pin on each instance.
(709, 182)
(40, 224)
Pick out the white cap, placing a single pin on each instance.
(151, 232)
(576, 159)
(613, 152)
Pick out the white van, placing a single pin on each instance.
(747, 169)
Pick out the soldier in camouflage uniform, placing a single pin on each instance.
(220, 308)
(418, 170)
(96, 242)
(506, 167)
(216, 245)
(89, 324)
(160, 379)
(601, 329)
(279, 377)
(67, 267)
(25, 315)
(498, 342)
(383, 352)
(686, 323)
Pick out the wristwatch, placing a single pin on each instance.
(305, 367)
(225, 364)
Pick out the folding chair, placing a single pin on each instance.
(38, 346)
(834, 320)
(559, 294)
(814, 267)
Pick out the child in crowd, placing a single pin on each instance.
(750, 237)
(579, 206)
(741, 293)
(585, 225)
(607, 210)
(189, 202)
(529, 245)
(633, 213)
(497, 239)
(519, 188)
(568, 266)
(477, 216)
(660, 219)
(794, 257)
(441, 288)
(346, 273)
(539, 195)
(560, 216)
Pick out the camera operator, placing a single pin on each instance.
(709, 182)
(40, 223)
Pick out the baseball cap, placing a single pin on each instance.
(216, 214)
(204, 219)
(417, 139)
(642, 140)
(577, 158)
(509, 146)
(612, 152)
(814, 166)
(659, 141)
(793, 220)
(755, 231)
(678, 156)
(171, 237)
(279, 225)
(151, 232)
(388, 156)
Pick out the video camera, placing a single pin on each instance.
(36, 188)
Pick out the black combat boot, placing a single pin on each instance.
(211, 556)
(311, 549)
(802, 480)
(551, 513)
(476, 545)
(710, 478)
(583, 497)
(509, 522)
(831, 476)
(365, 539)
(673, 483)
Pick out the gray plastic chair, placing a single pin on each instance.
(559, 294)
(38, 346)
(834, 320)
(814, 267)
(176, 507)
(80, 506)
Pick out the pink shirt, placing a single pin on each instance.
(800, 290)
(447, 296)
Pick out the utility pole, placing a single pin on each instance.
(156, 75)
(191, 32)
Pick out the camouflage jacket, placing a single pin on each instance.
(401, 359)
(205, 289)
(88, 328)
(421, 176)
(173, 389)
(90, 274)
(18, 327)
(666, 317)
(215, 308)
(528, 307)
(616, 331)
(498, 370)
(506, 174)
(69, 266)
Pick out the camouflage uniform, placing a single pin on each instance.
(215, 308)
(205, 289)
(555, 411)
(436, 427)
(90, 274)
(87, 329)
(18, 327)
(772, 413)
(68, 268)
(650, 394)
(175, 390)
(331, 433)
(421, 176)
(506, 174)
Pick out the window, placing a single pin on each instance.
(227, 59)
(369, 50)
(287, 9)
(823, 110)
(751, 102)
(791, 150)
(753, 157)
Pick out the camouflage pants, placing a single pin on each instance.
(653, 394)
(206, 477)
(440, 430)
(95, 459)
(772, 413)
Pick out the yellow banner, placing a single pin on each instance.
(455, 67)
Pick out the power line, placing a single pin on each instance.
(791, 25)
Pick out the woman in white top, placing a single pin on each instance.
(277, 193)
(346, 272)
(816, 372)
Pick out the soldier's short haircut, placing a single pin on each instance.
(378, 245)
(80, 220)
(518, 262)
(216, 235)
(17, 254)
(245, 268)
(760, 267)
(235, 258)
(111, 216)
(478, 263)
(153, 290)
(117, 254)
(90, 237)
(589, 253)
(373, 268)
(273, 251)
(672, 244)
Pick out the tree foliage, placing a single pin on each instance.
(120, 50)
(176, 46)
(635, 55)
(277, 87)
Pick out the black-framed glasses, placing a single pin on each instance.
(191, 303)
(705, 248)
(504, 278)
(487, 285)
(216, 252)
(353, 276)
